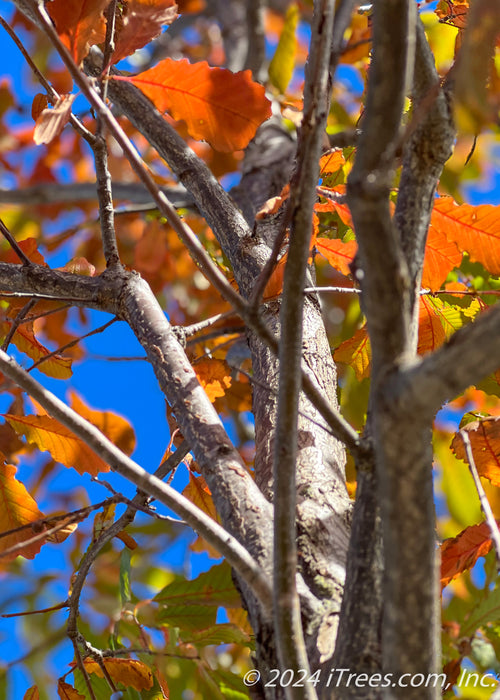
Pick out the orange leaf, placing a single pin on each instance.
(51, 436)
(475, 230)
(356, 352)
(331, 162)
(29, 246)
(32, 693)
(214, 376)
(275, 285)
(218, 106)
(131, 673)
(340, 255)
(452, 12)
(441, 256)
(17, 509)
(79, 24)
(142, 22)
(437, 322)
(198, 493)
(484, 436)
(114, 427)
(80, 266)
(51, 122)
(461, 552)
(24, 339)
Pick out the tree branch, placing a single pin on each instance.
(227, 545)
(290, 644)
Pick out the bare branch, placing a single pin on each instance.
(291, 651)
(229, 547)
(485, 505)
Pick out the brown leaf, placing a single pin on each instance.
(142, 23)
(484, 436)
(51, 122)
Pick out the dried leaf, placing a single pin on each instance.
(142, 23)
(51, 122)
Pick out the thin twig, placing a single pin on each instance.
(83, 670)
(52, 94)
(17, 322)
(14, 244)
(71, 344)
(483, 499)
(226, 544)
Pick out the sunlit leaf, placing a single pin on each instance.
(217, 634)
(441, 256)
(474, 229)
(79, 24)
(214, 376)
(114, 427)
(51, 436)
(356, 352)
(57, 366)
(52, 121)
(484, 436)
(281, 67)
(213, 587)
(339, 254)
(17, 508)
(438, 320)
(129, 672)
(460, 553)
(142, 22)
(218, 106)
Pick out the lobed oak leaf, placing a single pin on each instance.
(142, 22)
(51, 436)
(214, 376)
(484, 436)
(129, 672)
(79, 23)
(460, 553)
(17, 509)
(52, 121)
(474, 229)
(339, 254)
(218, 106)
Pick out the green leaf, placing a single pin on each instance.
(125, 593)
(213, 587)
(487, 611)
(186, 617)
(283, 61)
(225, 633)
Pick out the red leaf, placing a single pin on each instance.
(79, 24)
(461, 552)
(218, 106)
(142, 22)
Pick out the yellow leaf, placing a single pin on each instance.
(131, 673)
(283, 61)
(214, 376)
